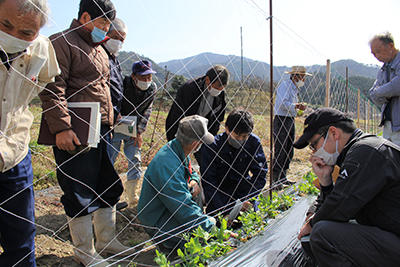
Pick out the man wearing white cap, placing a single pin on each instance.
(166, 206)
(286, 106)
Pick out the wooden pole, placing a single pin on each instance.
(358, 108)
(328, 82)
(368, 118)
(159, 107)
(241, 55)
(365, 116)
(271, 95)
(347, 89)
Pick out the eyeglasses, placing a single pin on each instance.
(314, 144)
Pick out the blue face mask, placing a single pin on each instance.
(98, 35)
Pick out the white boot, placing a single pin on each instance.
(104, 227)
(81, 232)
(131, 188)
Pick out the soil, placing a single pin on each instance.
(53, 243)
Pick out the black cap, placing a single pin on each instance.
(317, 119)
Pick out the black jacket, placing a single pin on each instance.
(137, 102)
(368, 186)
(187, 103)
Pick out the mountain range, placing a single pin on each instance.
(197, 66)
(361, 75)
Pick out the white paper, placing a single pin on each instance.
(127, 126)
(95, 120)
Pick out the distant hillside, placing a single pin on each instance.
(360, 75)
(198, 65)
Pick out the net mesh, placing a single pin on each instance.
(251, 92)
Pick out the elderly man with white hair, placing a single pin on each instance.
(117, 34)
(166, 205)
(28, 63)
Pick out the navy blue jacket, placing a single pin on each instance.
(116, 83)
(229, 174)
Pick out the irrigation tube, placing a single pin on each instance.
(277, 245)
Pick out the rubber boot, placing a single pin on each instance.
(131, 188)
(81, 232)
(104, 227)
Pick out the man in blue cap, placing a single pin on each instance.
(139, 93)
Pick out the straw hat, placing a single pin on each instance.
(298, 70)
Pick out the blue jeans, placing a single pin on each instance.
(131, 151)
(17, 234)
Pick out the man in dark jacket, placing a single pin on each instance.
(227, 163)
(367, 190)
(203, 96)
(139, 93)
(117, 34)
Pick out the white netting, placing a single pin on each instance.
(250, 92)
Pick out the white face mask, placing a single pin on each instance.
(11, 44)
(143, 85)
(300, 84)
(214, 92)
(236, 143)
(113, 46)
(328, 158)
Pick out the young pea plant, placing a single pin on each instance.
(307, 187)
(202, 246)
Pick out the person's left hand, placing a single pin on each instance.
(305, 230)
(196, 188)
(138, 140)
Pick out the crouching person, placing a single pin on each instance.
(166, 207)
(234, 166)
(367, 190)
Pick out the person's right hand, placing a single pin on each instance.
(322, 171)
(66, 140)
(246, 206)
(301, 106)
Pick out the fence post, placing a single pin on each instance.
(365, 116)
(358, 108)
(160, 106)
(368, 116)
(347, 89)
(328, 82)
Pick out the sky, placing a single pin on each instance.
(305, 32)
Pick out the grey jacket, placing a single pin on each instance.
(386, 91)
